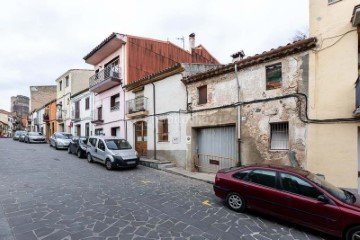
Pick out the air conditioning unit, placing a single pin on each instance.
(333, 1)
(357, 112)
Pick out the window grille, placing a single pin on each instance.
(279, 136)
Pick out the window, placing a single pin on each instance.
(115, 131)
(87, 129)
(101, 145)
(298, 186)
(99, 115)
(202, 94)
(163, 130)
(273, 76)
(66, 81)
(279, 136)
(114, 102)
(87, 103)
(98, 131)
(263, 177)
(60, 85)
(77, 109)
(241, 175)
(92, 141)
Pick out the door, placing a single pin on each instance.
(260, 191)
(216, 148)
(299, 204)
(100, 153)
(141, 138)
(78, 130)
(358, 157)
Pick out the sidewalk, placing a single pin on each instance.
(171, 168)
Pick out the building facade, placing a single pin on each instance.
(155, 112)
(122, 59)
(250, 111)
(20, 105)
(69, 83)
(334, 135)
(41, 95)
(82, 112)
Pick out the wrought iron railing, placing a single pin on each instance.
(106, 73)
(136, 105)
(116, 107)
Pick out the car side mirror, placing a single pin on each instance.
(323, 199)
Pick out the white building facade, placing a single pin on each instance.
(82, 113)
(69, 83)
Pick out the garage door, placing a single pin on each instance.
(216, 148)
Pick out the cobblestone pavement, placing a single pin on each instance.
(49, 194)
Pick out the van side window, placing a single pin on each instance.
(92, 141)
(101, 145)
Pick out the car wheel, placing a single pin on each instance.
(89, 158)
(79, 153)
(353, 233)
(69, 150)
(235, 202)
(108, 165)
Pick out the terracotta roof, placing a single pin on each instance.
(141, 81)
(273, 54)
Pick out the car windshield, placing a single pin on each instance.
(83, 140)
(336, 192)
(63, 136)
(34, 134)
(117, 144)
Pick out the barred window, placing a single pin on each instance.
(279, 136)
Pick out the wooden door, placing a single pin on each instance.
(141, 138)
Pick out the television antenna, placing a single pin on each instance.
(182, 39)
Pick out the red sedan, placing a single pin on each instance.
(292, 194)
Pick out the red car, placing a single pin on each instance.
(291, 194)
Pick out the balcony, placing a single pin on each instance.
(98, 120)
(105, 79)
(59, 116)
(75, 115)
(116, 107)
(137, 107)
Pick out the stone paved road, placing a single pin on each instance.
(49, 195)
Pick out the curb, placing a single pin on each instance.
(154, 166)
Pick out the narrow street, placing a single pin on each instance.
(49, 195)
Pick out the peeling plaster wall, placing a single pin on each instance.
(256, 118)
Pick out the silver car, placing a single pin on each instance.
(113, 152)
(17, 134)
(60, 140)
(34, 137)
(22, 136)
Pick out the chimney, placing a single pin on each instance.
(238, 56)
(191, 41)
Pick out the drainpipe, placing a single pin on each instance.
(238, 115)
(154, 120)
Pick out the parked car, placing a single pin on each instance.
(113, 152)
(22, 136)
(34, 137)
(292, 194)
(17, 135)
(78, 146)
(60, 140)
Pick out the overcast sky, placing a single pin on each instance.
(41, 39)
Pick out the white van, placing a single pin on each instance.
(113, 152)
